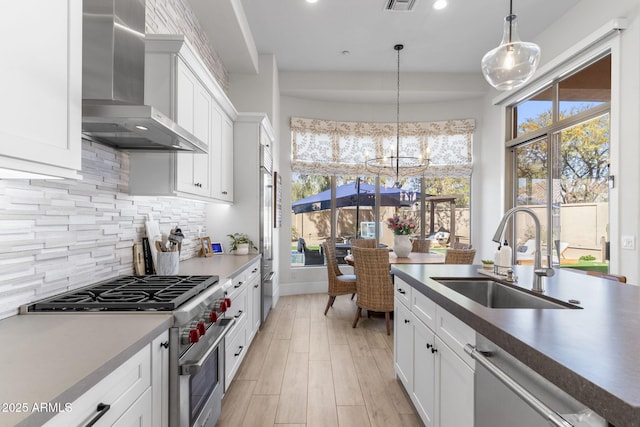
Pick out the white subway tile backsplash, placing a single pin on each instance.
(60, 235)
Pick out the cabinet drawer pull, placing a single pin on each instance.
(400, 290)
(407, 321)
(101, 409)
(224, 192)
(239, 351)
(237, 285)
(256, 285)
(239, 314)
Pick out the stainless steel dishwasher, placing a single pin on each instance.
(508, 393)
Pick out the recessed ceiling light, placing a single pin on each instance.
(312, 1)
(140, 127)
(440, 4)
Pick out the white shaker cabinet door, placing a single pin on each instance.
(41, 87)
(403, 351)
(424, 379)
(456, 397)
(194, 107)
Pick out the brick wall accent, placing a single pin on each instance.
(177, 17)
(57, 235)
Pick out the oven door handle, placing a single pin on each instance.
(193, 367)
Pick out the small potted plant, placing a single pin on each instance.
(487, 264)
(240, 243)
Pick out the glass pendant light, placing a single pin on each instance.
(513, 63)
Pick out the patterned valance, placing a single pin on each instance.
(340, 148)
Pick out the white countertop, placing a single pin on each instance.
(58, 357)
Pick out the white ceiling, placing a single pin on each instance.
(311, 37)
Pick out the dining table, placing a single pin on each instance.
(413, 258)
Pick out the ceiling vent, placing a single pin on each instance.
(400, 5)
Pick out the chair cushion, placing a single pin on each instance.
(347, 278)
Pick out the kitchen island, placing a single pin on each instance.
(589, 352)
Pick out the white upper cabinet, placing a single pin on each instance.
(222, 150)
(178, 83)
(41, 87)
(194, 110)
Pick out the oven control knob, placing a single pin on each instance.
(201, 328)
(223, 306)
(227, 301)
(194, 336)
(213, 316)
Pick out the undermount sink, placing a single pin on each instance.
(494, 294)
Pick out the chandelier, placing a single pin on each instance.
(513, 63)
(394, 164)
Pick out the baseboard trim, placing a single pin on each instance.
(303, 288)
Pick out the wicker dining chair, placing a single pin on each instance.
(363, 243)
(339, 283)
(421, 245)
(459, 256)
(374, 287)
(458, 245)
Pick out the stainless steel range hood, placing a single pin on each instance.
(113, 109)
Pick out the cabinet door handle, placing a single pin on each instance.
(239, 351)
(400, 290)
(407, 321)
(429, 345)
(101, 409)
(236, 286)
(256, 285)
(164, 344)
(239, 314)
(433, 349)
(224, 192)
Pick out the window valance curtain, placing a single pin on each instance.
(340, 148)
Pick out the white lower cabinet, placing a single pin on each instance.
(244, 303)
(455, 406)
(427, 359)
(134, 394)
(403, 337)
(424, 388)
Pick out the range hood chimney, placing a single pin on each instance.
(113, 109)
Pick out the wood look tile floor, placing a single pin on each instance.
(305, 369)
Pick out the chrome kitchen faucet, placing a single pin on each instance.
(538, 270)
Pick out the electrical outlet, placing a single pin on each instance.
(628, 242)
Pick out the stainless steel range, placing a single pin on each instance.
(196, 341)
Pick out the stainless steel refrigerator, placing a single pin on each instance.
(266, 224)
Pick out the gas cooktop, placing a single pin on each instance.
(129, 293)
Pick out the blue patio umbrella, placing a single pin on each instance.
(347, 195)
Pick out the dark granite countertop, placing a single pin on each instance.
(592, 353)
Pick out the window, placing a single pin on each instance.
(328, 166)
(561, 166)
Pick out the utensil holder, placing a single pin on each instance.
(168, 263)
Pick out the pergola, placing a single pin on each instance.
(451, 199)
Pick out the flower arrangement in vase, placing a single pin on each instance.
(402, 229)
(240, 243)
(401, 226)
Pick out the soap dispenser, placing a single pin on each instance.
(506, 256)
(497, 260)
